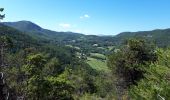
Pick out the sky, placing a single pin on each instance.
(97, 17)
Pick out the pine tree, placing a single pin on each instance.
(2, 16)
(3, 94)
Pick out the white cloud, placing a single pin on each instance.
(84, 16)
(64, 25)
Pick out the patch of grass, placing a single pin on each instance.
(101, 48)
(97, 55)
(69, 46)
(110, 47)
(97, 64)
(78, 48)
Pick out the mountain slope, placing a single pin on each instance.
(59, 37)
(19, 39)
(36, 31)
(160, 37)
(24, 26)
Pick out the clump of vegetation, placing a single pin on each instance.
(141, 71)
(156, 81)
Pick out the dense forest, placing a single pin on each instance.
(40, 64)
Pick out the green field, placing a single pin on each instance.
(110, 47)
(78, 48)
(97, 64)
(97, 55)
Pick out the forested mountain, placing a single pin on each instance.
(35, 30)
(85, 42)
(160, 36)
(19, 39)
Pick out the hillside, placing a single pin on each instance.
(19, 39)
(36, 31)
(161, 37)
(85, 42)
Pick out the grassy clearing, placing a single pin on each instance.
(97, 55)
(110, 47)
(97, 64)
(78, 48)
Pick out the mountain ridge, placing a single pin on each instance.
(161, 37)
(35, 30)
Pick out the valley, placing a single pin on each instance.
(82, 65)
(68, 65)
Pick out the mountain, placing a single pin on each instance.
(24, 26)
(34, 30)
(19, 39)
(161, 37)
(72, 38)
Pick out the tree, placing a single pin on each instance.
(2, 16)
(53, 67)
(45, 81)
(156, 82)
(130, 63)
(60, 87)
(5, 43)
(33, 69)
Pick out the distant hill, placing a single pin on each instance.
(24, 26)
(19, 39)
(161, 37)
(63, 38)
(34, 30)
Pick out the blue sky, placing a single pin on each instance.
(98, 17)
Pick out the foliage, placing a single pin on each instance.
(42, 86)
(131, 61)
(156, 79)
